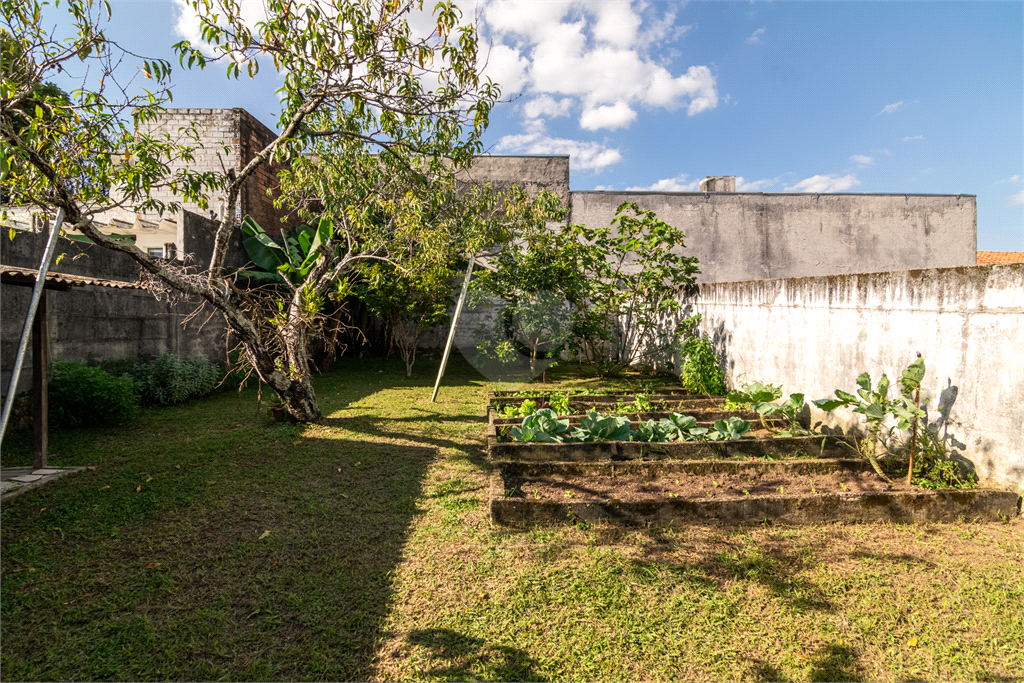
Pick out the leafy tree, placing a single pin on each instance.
(539, 281)
(608, 291)
(634, 274)
(356, 78)
(410, 302)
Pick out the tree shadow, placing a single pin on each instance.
(458, 657)
(837, 663)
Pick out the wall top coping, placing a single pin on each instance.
(965, 271)
(647, 193)
(521, 156)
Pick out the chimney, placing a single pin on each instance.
(718, 183)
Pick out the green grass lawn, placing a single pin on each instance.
(210, 542)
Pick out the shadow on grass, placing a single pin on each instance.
(276, 565)
(471, 659)
(837, 663)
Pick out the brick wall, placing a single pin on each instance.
(230, 139)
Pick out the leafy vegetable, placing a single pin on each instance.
(650, 432)
(598, 427)
(732, 430)
(755, 393)
(682, 427)
(542, 426)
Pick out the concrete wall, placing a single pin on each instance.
(754, 236)
(815, 335)
(532, 173)
(102, 322)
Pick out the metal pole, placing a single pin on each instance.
(451, 332)
(37, 292)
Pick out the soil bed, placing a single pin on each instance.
(709, 486)
(681, 493)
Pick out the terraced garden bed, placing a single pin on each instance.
(766, 479)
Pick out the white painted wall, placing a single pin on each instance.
(817, 334)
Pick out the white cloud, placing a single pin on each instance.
(756, 36)
(862, 160)
(1011, 179)
(754, 186)
(506, 67)
(677, 184)
(1017, 198)
(599, 54)
(545, 105)
(825, 183)
(618, 115)
(582, 155)
(890, 108)
(913, 137)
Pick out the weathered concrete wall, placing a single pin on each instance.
(230, 139)
(101, 322)
(532, 173)
(815, 335)
(754, 236)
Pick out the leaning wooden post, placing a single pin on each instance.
(40, 404)
(451, 332)
(37, 291)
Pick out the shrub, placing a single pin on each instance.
(166, 380)
(82, 396)
(700, 372)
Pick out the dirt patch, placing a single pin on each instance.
(680, 485)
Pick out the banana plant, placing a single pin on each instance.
(682, 427)
(289, 263)
(736, 428)
(598, 427)
(542, 426)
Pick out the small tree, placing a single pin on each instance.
(355, 75)
(634, 274)
(537, 278)
(410, 302)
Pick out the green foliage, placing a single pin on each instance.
(82, 142)
(875, 405)
(560, 404)
(755, 393)
(934, 466)
(734, 428)
(651, 431)
(683, 428)
(626, 307)
(410, 301)
(700, 372)
(527, 407)
(167, 380)
(789, 409)
(598, 427)
(542, 426)
(290, 262)
(84, 396)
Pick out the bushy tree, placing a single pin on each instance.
(605, 292)
(357, 81)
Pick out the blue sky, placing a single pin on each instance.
(891, 97)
